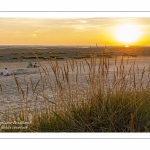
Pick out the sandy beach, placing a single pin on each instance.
(28, 77)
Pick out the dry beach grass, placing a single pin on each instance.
(89, 95)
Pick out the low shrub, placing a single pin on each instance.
(59, 57)
(14, 57)
(54, 56)
(78, 57)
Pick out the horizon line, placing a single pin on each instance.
(104, 45)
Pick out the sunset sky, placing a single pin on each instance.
(75, 31)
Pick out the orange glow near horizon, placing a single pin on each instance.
(85, 31)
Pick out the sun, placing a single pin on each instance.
(127, 33)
